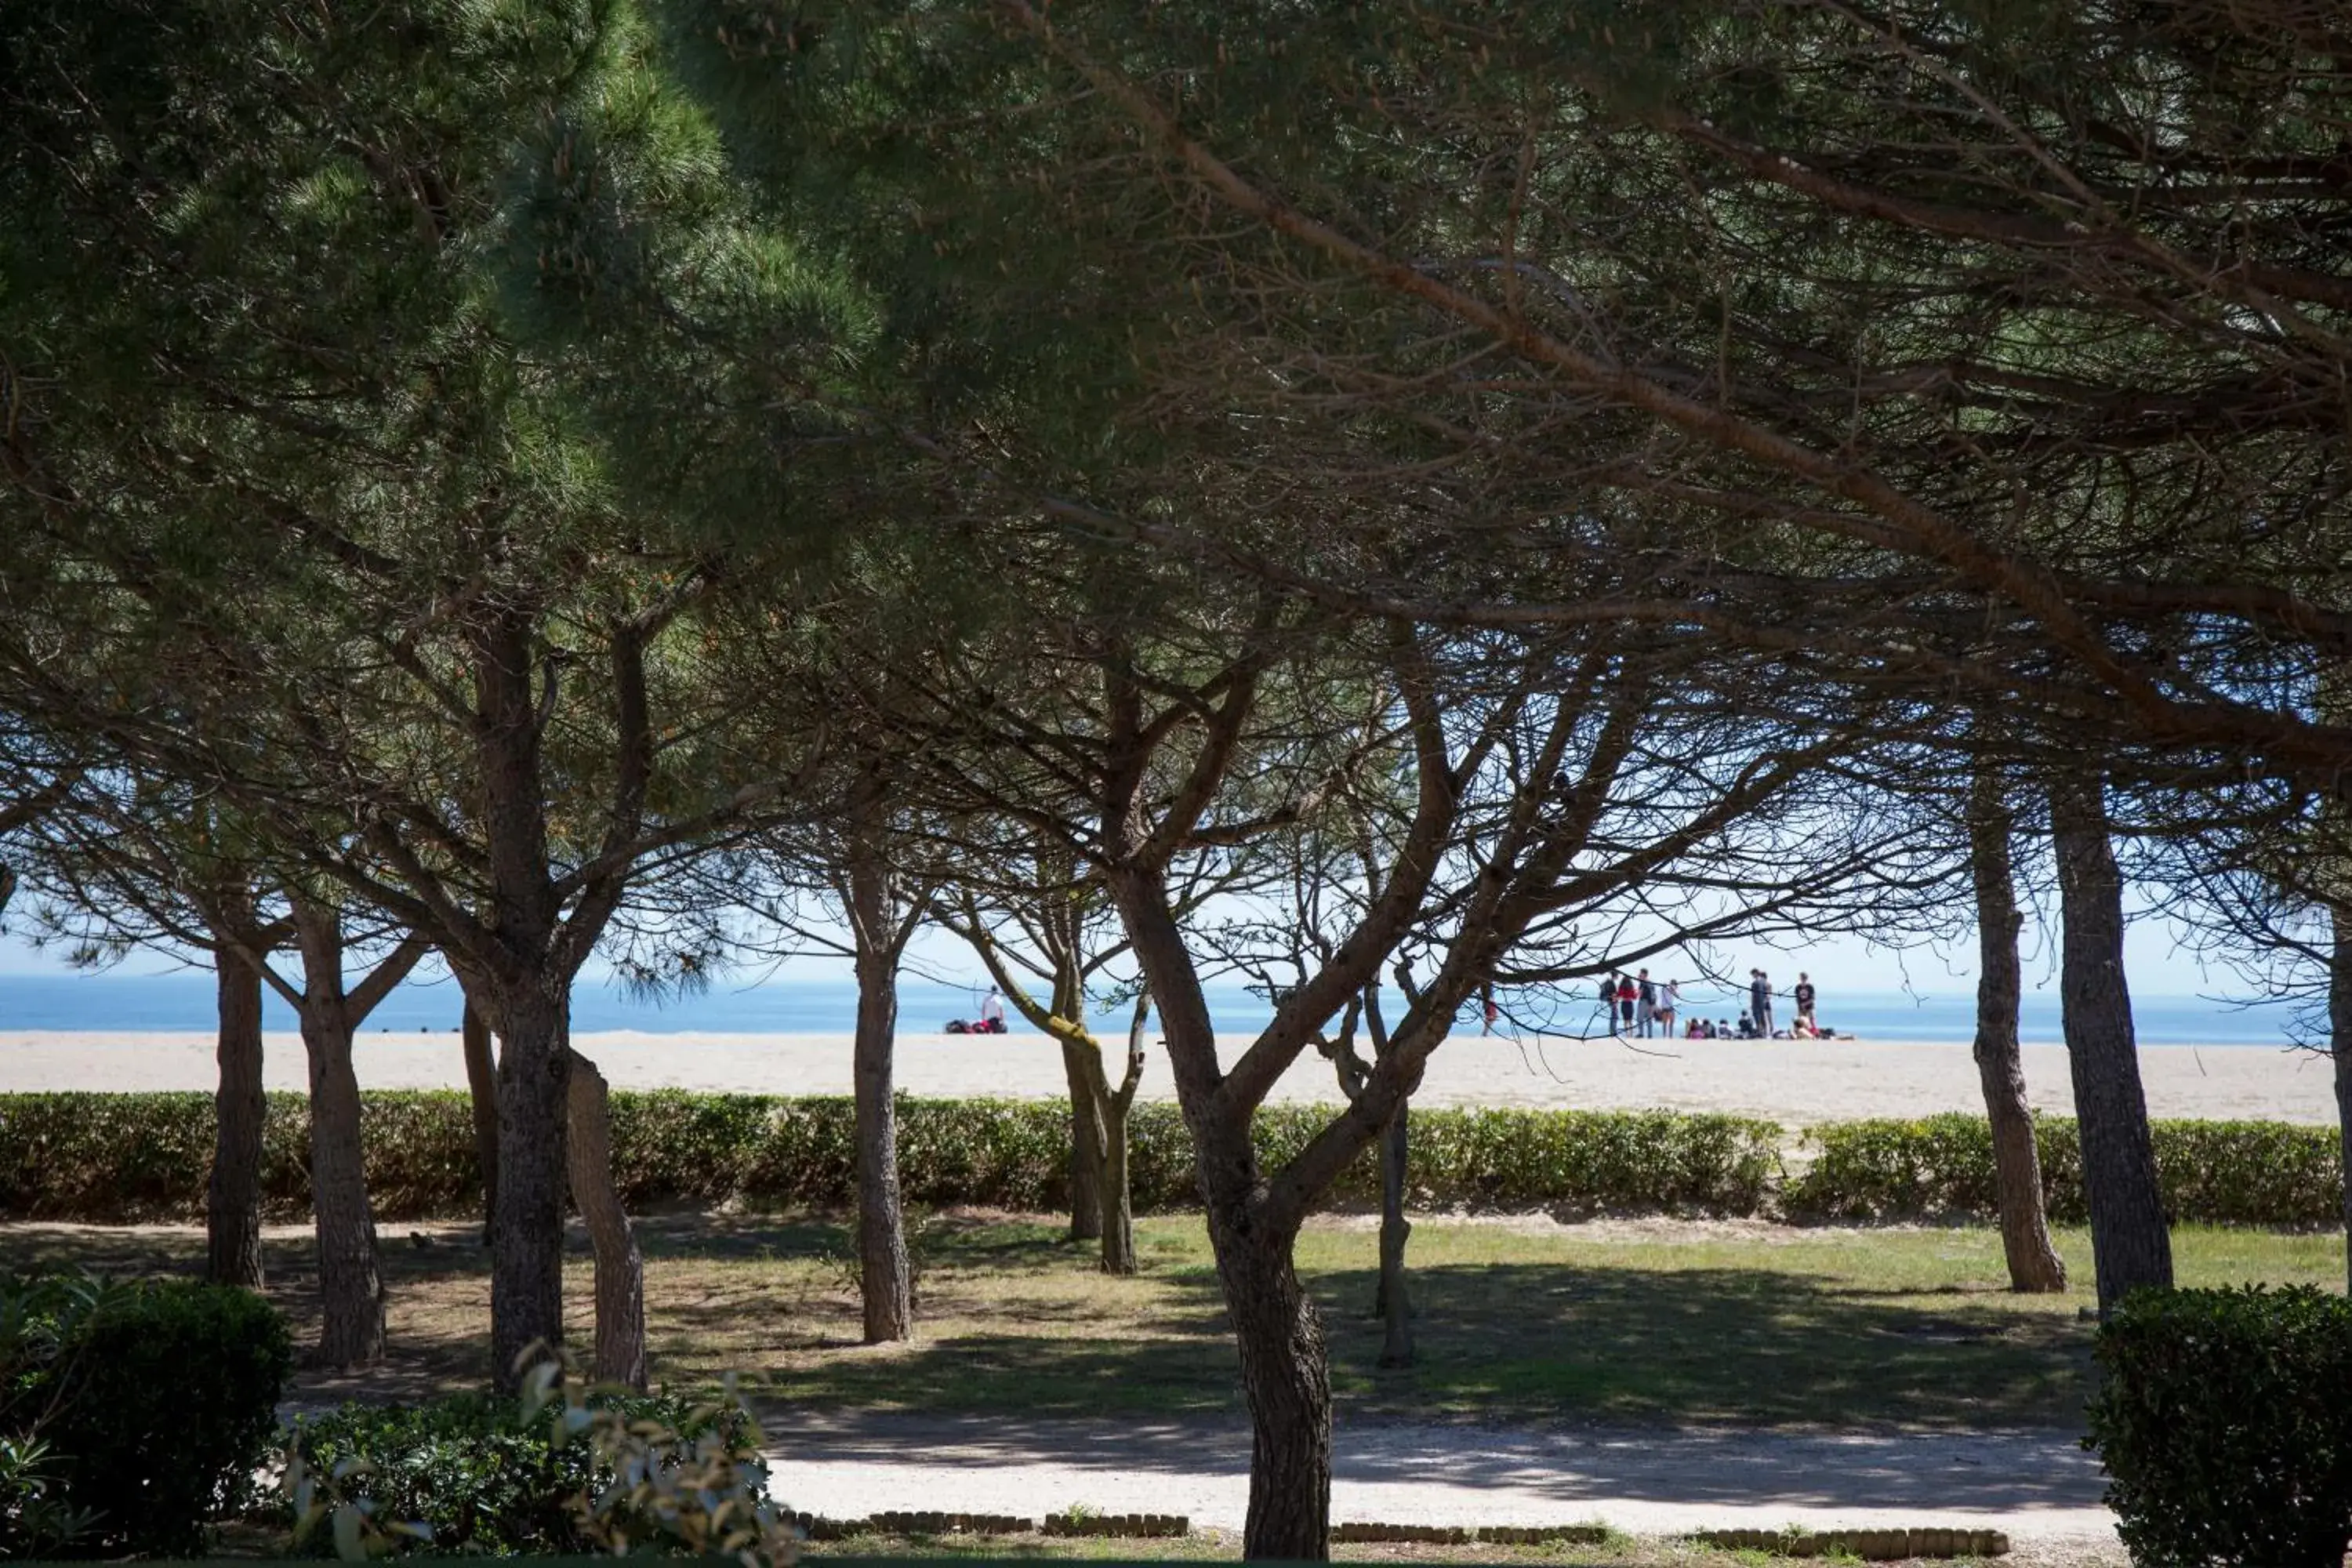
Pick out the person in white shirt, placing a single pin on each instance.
(992, 1011)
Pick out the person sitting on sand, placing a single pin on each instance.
(1747, 1027)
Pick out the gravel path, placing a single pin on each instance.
(2039, 1486)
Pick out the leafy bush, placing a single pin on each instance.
(2216, 1173)
(670, 1146)
(483, 1475)
(152, 1404)
(2224, 1427)
(109, 1157)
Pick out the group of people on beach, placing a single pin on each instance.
(1651, 1008)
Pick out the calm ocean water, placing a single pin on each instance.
(184, 1001)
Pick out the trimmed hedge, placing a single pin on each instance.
(115, 1157)
(2217, 1173)
(2224, 1428)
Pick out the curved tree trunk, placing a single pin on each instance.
(2033, 1263)
(233, 1192)
(620, 1268)
(2131, 1245)
(482, 1090)
(2339, 1042)
(886, 1276)
(1287, 1380)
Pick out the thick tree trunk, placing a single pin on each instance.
(2033, 1263)
(1287, 1380)
(1392, 1302)
(233, 1193)
(350, 1285)
(2131, 1245)
(1087, 1138)
(526, 1225)
(620, 1270)
(2339, 1044)
(886, 1279)
(482, 1088)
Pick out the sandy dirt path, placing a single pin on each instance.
(2039, 1486)
(1792, 1082)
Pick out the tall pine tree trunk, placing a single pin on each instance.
(620, 1268)
(233, 1192)
(482, 1090)
(350, 1284)
(1392, 1302)
(527, 1222)
(886, 1276)
(1087, 1138)
(2339, 1044)
(1117, 1198)
(2033, 1263)
(2131, 1245)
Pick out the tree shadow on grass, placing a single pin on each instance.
(1522, 1342)
(1745, 1346)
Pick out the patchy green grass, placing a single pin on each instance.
(1527, 1320)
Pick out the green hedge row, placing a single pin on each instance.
(2218, 1173)
(112, 1157)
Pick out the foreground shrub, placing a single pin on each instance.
(2212, 1173)
(489, 1476)
(2224, 1423)
(137, 1413)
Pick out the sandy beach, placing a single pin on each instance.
(1794, 1083)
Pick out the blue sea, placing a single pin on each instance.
(114, 1002)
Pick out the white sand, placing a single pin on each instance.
(1794, 1083)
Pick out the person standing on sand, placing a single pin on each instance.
(1670, 998)
(992, 1011)
(1627, 993)
(1804, 996)
(1489, 1010)
(1609, 1000)
(1759, 1001)
(1645, 1006)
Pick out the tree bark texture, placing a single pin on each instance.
(1392, 1300)
(2339, 1044)
(526, 1225)
(1287, 1380)
(885, 1275)
(482, 1089)
(233, 1192)
(1087, 1137)
(2034, 1264)
(1285, 1362)
(350, 1284)
(1117, 1198)
(620, 1268)
(2131, 1246)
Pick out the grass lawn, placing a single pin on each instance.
(1523, 1320)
